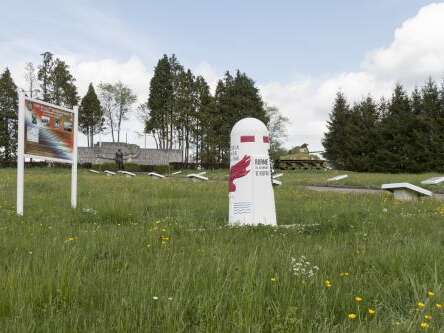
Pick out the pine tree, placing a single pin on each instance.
(202, 116)
(63, 90)
(396, 132)
(90, 115)
(237, 98)
(430, 119)
(439, 157)
(174, 130)
(159, 102)
(56, 82)
(44, 75)
(363, 129)
(337, 138)
(185, 101)
(8, 116)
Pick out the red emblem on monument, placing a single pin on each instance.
(237, 171)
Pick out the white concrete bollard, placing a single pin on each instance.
(250, 187)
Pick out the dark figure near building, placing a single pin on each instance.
(119, 159)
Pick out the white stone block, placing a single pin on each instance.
(433, 181)
(406, 191)
(334, 179)
(156, 175)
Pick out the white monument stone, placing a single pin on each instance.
(127, 173)
(251, 196)
(156, 175)
(406, 191)
(197, 176)
(109, 173)
(94, 171)
(334, 179)
(275, 180)
(433, 181)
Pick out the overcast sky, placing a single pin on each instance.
(300, 53)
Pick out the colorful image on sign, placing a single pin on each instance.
(48, 131)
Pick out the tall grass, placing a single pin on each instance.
(144, 255)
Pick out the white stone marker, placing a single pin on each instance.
(127, 173)
(275, 180)
(433, 181)
(334, 179)
(94, 171)
(197, 176)
(109, 173)
(177, 173)
(406, 191)
(250, 187)
(192, 175)
(156, 175)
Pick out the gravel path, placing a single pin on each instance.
(438, 196)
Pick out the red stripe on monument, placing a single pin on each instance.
(266, 139)
(247, 138)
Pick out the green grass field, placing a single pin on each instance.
(144, 255)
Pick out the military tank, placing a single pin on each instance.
(300, 158)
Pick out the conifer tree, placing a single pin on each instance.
(44, 75)
(396, 134)
(90, 115)
(56, 82)
(430, 120)
(8, 116)
(237, 98)
(202, 115)
(159, 102)
(336, 140)
(363, 135)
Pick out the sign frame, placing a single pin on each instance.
(21, 150)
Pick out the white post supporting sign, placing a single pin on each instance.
(74, 160)
(250, 182)
(21, 154)
(47, 132)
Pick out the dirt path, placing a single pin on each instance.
(320, 188)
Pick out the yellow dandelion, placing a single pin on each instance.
(424, 325)
(430, 293)
(428, 317)
(327, 284)
(371, 311)
(352, 316)
(358, 299)
(273, 279)
(420, 305)
(438, 305)
(344, 274)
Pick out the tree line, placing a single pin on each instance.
(404, 133)
(181, 112)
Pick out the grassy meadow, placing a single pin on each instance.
(145, 255)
